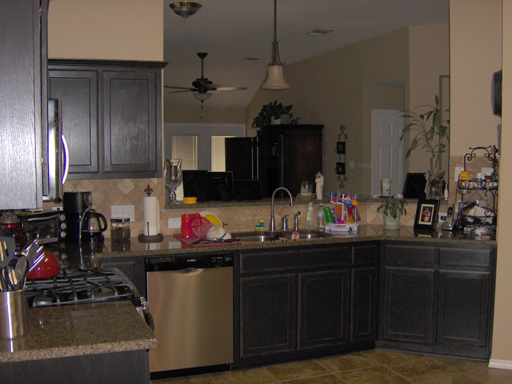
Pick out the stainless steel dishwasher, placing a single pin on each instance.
(191, 300)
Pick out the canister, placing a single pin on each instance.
(120, 228)
(13, 314)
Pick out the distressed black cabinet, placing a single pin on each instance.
(132, 267)
(298, 303)
(112, 116)
(23, 113)
(437, 299)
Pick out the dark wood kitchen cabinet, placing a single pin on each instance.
(300, 303)
(23, 53)
(288, 155)
(112, 116)
(132, 266)
(437, 298)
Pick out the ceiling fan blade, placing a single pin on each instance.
(173, 87)
(184, 90)
(231, 88)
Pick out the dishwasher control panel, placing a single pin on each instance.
(201, 260)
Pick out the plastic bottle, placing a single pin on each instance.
(320, 218)
(260, 227)
(310, 217)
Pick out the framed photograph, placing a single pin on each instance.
(426, 214)
(340, 147)
(340, 168)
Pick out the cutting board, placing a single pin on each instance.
(190, 241)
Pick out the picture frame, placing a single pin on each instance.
(414, 186)
(340, 168)
(426, 214)
(340, 147)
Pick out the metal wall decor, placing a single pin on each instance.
(341, 150)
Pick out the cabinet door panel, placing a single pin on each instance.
(463, 308)
(363, 319)
(78, 91)
(408, 304)
(268, 314)
(129, 119)
(324, 308)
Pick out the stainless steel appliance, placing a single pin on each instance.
(49, 227)
(56, 164)
(191, 300)
(85, 287)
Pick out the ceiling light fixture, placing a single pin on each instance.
(185, 8)
(202, 96)
(275, 79)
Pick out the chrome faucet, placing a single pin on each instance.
(296, 222)
(272, 216)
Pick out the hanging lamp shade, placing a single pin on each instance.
(185, 8)
(275, 78)
(202, 96)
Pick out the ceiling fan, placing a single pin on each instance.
(202, 88)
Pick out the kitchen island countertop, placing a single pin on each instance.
(74, 330)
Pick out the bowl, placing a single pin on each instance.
(47, 267)
(190, 200)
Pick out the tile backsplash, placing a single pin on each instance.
(108, 192)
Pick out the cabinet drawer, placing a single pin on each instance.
(412, 255)
(465, 257)
(295, 259)
(365, 254)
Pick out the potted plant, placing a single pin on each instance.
(273, 110)
(433, 134)
(391, 211)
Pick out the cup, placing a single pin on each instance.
(385, 187)
(13, 314)
(186, 229)
(306, 189)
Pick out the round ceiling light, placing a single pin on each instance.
(185, 8)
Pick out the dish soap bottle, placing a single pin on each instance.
(320, 218)
(310, 220)
(260, 227)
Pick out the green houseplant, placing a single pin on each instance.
(273, 110)
(391, 210)
(433, 134)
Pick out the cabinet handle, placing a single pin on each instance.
(65, 157)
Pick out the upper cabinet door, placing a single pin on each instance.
(129, 118)
(78, 91)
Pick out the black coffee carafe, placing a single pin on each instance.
(93, 226)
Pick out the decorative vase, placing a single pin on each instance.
(390, 222)
(275, 121)
(285, 118)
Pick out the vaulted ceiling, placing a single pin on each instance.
(231, 32)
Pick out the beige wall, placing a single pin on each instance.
(99, 29)
(475, 53)
(502, 339)
(330, 90)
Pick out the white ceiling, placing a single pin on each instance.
(233, 30)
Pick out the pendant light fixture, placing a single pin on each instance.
(275, 79)
(185, 8)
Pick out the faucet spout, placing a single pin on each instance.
(272, 216)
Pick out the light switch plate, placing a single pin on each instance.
(173, 223)
(123, 211)
(351, 164)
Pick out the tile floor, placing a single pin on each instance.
(372, 367)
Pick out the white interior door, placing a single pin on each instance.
(387, 149)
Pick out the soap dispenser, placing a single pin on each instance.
(310, 217)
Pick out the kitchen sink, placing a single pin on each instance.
(309, 235)
(281, 236)
(258, 238)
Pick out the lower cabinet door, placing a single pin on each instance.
(464, 308)
(268, 314)
(324, 310)
(408, 304)
(363, 307)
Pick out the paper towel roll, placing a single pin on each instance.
(151, 215)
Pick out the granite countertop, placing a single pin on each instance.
(73, 330)
(88, 256)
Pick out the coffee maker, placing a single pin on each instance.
(84, 224)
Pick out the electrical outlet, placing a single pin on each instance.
(173, 223)
(122, 211)
(351, 164)
(457, 172)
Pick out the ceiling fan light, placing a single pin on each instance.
(275, 78)
(202, 96)
(185, 8)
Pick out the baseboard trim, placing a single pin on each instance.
(500, 364)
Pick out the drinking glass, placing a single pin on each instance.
(173, 178)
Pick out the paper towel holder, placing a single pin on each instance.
(150, 238)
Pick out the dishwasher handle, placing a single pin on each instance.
(191, 271)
